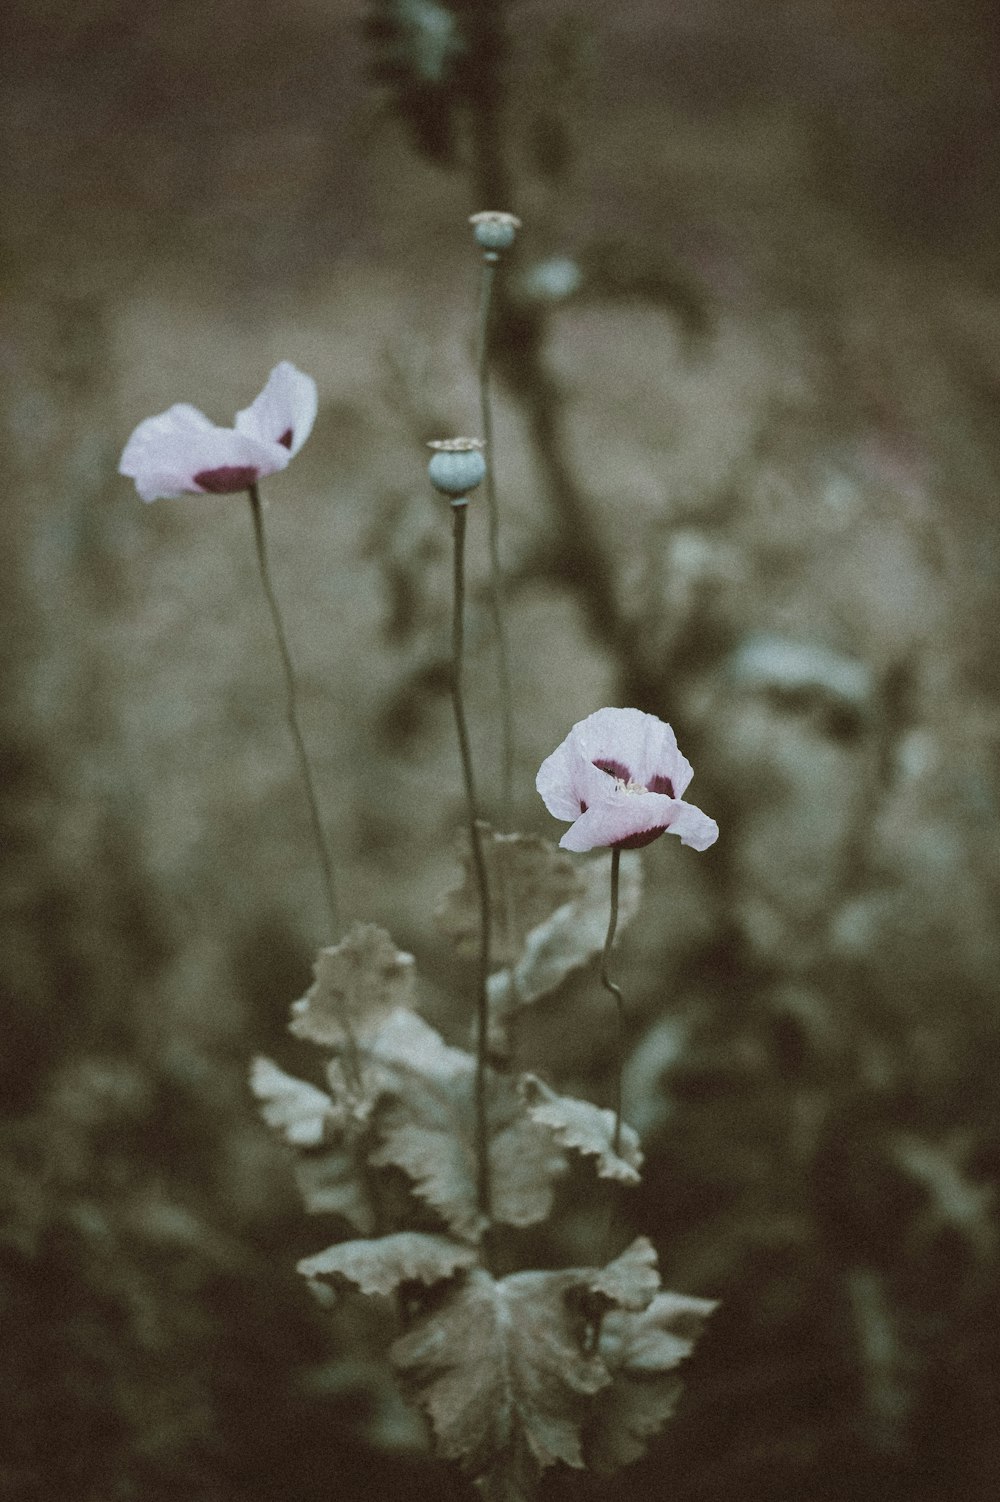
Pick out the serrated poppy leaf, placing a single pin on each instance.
(298, 1111)
(381, 1265)
(529, 878)
(588, 1128)
(426, 1125)
(642, 1350)
(359, 983)
(501, 1371)
(330, 1184)
(632, 1279)
(569, 938)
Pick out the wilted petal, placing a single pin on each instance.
(179, 452)
(285, 410)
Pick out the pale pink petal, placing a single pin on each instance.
(285, 410)
(180, 452)
(622, 816)
(568, 781)
(640, 742)
(627, 817)
(695, 829)
(146, 439)
(618, 776)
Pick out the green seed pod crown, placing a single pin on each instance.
(493, 230)
(456, 466)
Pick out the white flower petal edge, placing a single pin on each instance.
(285, 410)
(618, 816)
(696, 829)
(165, 453)
(559, 780)
(179, 452)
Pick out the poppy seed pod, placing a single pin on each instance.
(494, 231)
(457, 466)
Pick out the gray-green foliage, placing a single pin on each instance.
(549, 917)
(574, 1366)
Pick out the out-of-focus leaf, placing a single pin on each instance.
(955, 1201)
(427, 1127)
(568, 939)
(529, 879)
(359, 983)
(354, 1094)
(657, 1052)
(642, 1351)
(501, 1370)
(293, 1107)
(631, 1280)
(588, 1128)
(379, 1266)
(331, 1184)
(795, 668)
(406, 1044)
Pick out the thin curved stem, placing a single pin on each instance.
(292, 714)
(496, 574)
(483, 1188)
(615, 991)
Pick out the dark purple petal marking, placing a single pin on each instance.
(613, 768)
(583, 807)
(661, 784)
(286, 438)
(226, 479)
(636, 841)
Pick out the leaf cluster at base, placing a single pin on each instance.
(575, 1366)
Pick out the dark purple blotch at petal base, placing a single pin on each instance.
(613, 768)
(636, 841)
(661, 784)
(286, 438)
(226, 479)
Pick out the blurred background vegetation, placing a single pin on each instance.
(749, 361)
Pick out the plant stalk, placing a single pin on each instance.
(609, 985)
(493, 529)
(483, 1189)
(292, 714)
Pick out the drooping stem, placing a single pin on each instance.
(322, 847)
(483, 1192)
(615, 991)
(493, 528)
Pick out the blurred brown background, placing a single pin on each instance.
(748, 368)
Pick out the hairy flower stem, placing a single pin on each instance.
(496, 576)
(615, 991)
(483, 1193)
